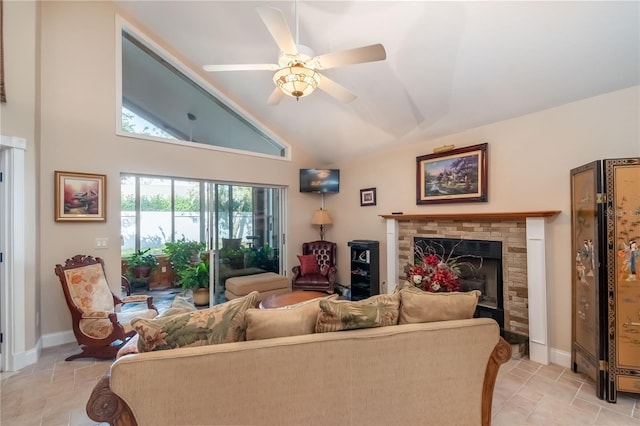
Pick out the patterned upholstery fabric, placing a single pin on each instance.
(89, 289)
(222, 323)
(180, 305)
(91, 294)
(98, 328)
(376, 311)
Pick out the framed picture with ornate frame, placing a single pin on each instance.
(453, 176)
(80, 197)
(368, 197)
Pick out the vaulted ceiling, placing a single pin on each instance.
(450, 66)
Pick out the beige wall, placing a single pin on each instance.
(529, 162)
(18, 117)
(72, 92)
(78, 134)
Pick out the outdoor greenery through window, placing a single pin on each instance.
(241, 223)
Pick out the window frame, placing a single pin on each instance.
(121, 25)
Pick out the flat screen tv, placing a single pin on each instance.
(320, 180)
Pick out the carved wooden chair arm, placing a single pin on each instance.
(96, 315)
(139, 299)
(135, 299)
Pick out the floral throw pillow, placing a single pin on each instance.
(424, 306)
(219, 324)
(376, 311)
(308, 264)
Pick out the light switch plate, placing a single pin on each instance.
(102, 243)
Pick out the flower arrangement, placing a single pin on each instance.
(435, 272)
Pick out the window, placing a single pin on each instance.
(156, 210)
(162, 100)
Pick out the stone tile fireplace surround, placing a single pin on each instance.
(523, 255)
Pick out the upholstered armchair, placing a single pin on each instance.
(98, 328)
(317, 269)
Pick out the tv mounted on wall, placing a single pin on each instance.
(320, 180)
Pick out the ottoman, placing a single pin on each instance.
(266, 284)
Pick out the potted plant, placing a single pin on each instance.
(196, 278)
(262, 257)
(183, 253)
(141, 263)
(233, 257)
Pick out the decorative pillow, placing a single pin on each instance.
(376, 311)
(180, 305)
(291, 320)
(219, 324)
(131, 347)
(308, 264)
(423, 306)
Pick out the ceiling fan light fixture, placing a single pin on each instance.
(296, 80)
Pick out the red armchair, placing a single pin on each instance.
(321, 278)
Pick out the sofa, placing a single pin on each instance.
(432, 373)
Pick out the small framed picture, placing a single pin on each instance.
(368, 197)
(80, 197)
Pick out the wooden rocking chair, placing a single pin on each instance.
(99, 329)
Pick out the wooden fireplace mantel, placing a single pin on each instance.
(536, 254)
(473, 216)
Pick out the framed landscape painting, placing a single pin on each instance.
(80, 197)
(455, 176)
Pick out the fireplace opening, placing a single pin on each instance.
(480, 265)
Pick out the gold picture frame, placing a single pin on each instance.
(80, 197)
(455, 176)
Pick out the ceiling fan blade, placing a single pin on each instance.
(241, 67)
(337, 91)
(277, 26)
(374, 52)
(275, 97)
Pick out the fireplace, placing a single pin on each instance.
(523, 237)
(480, 265)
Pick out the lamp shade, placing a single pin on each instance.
(321, 217)
(296, 81)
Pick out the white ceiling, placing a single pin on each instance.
(450, 66)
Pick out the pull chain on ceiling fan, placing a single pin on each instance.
(296, 74)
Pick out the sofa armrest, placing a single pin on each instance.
(104, 406)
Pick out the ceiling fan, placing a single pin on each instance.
(296, 74)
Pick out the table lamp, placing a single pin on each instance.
(321, 217)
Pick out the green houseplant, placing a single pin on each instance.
(196, 278)
(233, 256)
(140, 263)
(183, 253)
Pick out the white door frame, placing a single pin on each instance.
(12, 246)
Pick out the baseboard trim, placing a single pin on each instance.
(58, 338)
(561, 358)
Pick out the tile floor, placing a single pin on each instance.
(54, 392)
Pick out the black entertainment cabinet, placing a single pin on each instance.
(365, 268)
